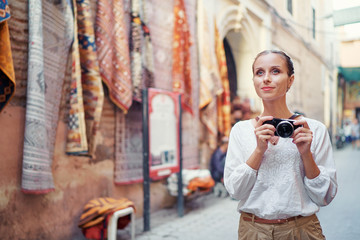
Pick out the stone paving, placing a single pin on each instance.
(212, 218)
(206, 218)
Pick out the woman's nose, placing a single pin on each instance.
(266, 77)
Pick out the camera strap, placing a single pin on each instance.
(294, 116)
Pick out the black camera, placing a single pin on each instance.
(284, 127)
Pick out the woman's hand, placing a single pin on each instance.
(264, 133)
(302, 137)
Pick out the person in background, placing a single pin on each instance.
(280, 183)
(217, 164)
(236, 114)
(355, 134)
(246, 109)
(347, 132)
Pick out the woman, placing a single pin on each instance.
(280, 182)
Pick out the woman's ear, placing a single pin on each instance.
(290, 82)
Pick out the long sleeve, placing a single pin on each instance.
(323, 188)
(239, 178)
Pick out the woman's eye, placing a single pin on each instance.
(276, 71)
(260, 72)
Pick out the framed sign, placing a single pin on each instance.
(164, 142)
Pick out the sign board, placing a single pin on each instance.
(164, 143)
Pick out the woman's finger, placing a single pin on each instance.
(263, 119)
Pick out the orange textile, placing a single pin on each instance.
(112, 42)
(210, 83)
(7, 74)
(96, 215)
(223, 99)
(76, 142)
(96, 210)
(201, 184)
(181, 69)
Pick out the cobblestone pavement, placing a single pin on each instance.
(340, 220)
(212, 218)
(206, 218)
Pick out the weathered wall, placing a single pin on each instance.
(77, 180)
(55, 215)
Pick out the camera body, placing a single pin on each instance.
(284, 127)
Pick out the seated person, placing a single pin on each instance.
(217, 164)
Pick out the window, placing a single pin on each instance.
(313, 23)
(289, 6)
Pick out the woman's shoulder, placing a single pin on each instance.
(244, 124)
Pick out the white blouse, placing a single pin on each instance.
(279, 189)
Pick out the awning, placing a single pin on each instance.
(350, 74)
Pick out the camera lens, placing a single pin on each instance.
(284, 129)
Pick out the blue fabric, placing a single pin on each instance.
(217, 164)
(4, 10)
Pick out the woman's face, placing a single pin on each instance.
(270, 76)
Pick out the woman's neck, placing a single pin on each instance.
(278, 110)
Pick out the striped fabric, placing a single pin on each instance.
(210, 84)
(147, 48)
(92, 95)
(76, 136)
(49, 42)
(223, 99)
(142, 66)
(135, 49)
(36, 175)
(97, 209)
(161, 27)
(113, 52)
(181, 68)
(7, 74)
(190, 122)
(19, 38)
(128, 146)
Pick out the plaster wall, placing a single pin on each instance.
(77, 180)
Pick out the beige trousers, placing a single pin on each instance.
(305, 228)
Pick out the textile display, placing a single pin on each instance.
(128, 146)
(142, 69)
(135, 49)
(181, 68)
(91, 85)
(147, 48)
(161, 27)
(19, 38)
(76, 142)
(113, 52)
(208, 117)
(49, 43)
(223, 99)
(190, 122)
(96, 215)
(7, 74)
(193, 180)
(210, 83)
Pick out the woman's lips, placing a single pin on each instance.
(267, 88)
